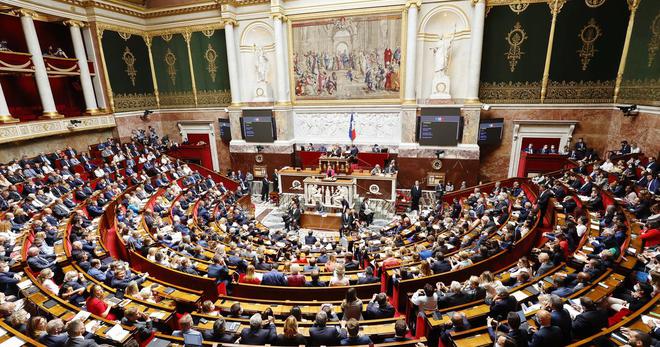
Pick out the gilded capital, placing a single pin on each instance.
(231, 21)
(147, 40)
(73, 23)
(416, 3)
(22, 12)
(186, 36)
(280, 16)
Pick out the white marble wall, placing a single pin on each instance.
(332, 125)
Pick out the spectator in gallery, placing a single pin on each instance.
(553, 149)
(529, 149)
(545, 150)
(391, 168)
(375, 148)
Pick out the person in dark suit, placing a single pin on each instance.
(320, 334)
(368, 277)
(8, 279)
(258, 333)
(265, 188)
(547, 334)
(37, 262)
(218, 334)
(273, 278)
(400, 331)
(511, 329)
(590, 321)
(354, 338)
(586, 187)
(415, 195)
(310, 239)
(560, 317)
(502, 304)
(379, 308)
(54, 337)
(75, 329)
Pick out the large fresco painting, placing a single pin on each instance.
(347, 58)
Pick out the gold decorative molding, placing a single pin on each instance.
(178, 99)
(74, 23)
(167, 37)
(512, 2)
(214, 97)
(280, 16)
(588, 92)
(134, 101)
(589, 34)
(642, 92)
(519, 7)
(22, 12)
(654, 43)
(556, 6)
(510, 92)
(515, 38)
(30, 130)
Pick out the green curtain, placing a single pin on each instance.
(641, 79)
(170, 54)
(129, 72)
(587, 51)
(209, 55)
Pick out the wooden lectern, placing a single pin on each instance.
(340, 165)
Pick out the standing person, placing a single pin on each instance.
(265, 188)
(439, 191)
(415, 194)
(276, 187)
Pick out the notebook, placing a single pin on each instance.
(50, 303)
(192, 340)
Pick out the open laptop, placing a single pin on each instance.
(192, 340)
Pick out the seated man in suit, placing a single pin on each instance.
(502, 304)
(354, 337)
(38, 262)
(320, 334)
(379, 308)
(368, 277)
(590, 321)
(75, 329)
(400, 331)
(547, 334)
(186, 326)
(259, 332)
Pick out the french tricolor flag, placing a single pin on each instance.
(352, 134)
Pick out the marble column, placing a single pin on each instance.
(476, 47)
(280, 56)
(5, 116)
(40, 73)
(92, 51)
(85, 77)
(232, 62)
(412, 8)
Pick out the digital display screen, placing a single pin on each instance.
(491, 131)
(225, 130)
(258, 126)
(439, 130)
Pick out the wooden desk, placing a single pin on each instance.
(327, 221)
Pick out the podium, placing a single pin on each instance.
(340, 165)
(329, 192)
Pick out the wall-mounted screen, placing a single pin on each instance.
(491, 131)
(258, 126)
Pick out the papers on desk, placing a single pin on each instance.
(117, 333)
(3, 332)
(520, 295)
(13, 342)
(583, 198)
(82, 315)
(647, 319)
(158, 315)
(571, 311)
(527, 309)
(24, 284)
(91, 326)
(18, 304)
(587, 248)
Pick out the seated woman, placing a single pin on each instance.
(46, 279)
(96, 305)
(339, 279)
(249, 276)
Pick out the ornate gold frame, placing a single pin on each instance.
(372, 11)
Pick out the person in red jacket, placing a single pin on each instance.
(295, 279)
(650, 235)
